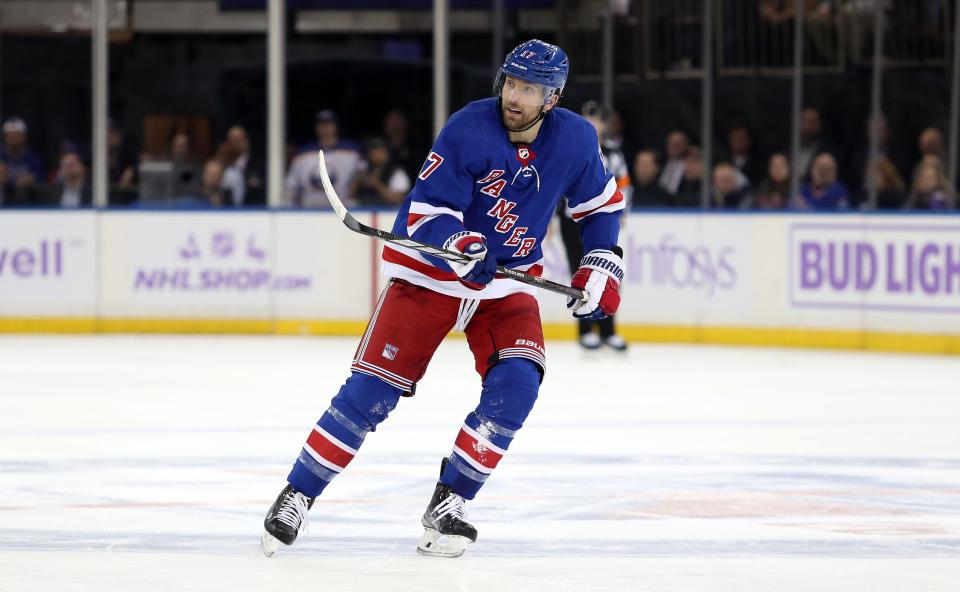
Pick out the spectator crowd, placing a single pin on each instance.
(377, 172)
(381, 170)
(830, 178)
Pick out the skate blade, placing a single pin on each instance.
(269, 544)
(435, 544)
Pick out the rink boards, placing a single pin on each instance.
(888, 282)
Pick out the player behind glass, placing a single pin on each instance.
(614, 161)
(488, 189)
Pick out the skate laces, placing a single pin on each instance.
(294, 510)
(452, 505)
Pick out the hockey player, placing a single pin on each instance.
(488, 189)
(614, 161)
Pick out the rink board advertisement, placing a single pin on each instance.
(249, 265)
(880, 266)
(678, 265)
(48, 264)
(182, 265)
(697, 277)
(677, 270)
(340, 266)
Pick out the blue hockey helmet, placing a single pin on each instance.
(537, 62)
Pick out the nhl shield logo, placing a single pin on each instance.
(390, 352)
(525, 155)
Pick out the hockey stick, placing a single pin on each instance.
(353, 224)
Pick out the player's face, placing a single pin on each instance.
(521, 102)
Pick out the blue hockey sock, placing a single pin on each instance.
(362, 403)
(509, 392)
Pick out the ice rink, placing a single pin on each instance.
(147, 463)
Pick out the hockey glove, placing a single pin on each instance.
(599, 276)
(481, 269)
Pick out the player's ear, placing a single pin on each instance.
(551, 104)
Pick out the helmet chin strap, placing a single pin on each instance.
(532, 123)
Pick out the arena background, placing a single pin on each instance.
(173, 319)
(202, 67)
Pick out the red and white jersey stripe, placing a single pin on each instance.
(411, 266)
(610, 200)
(421, 213)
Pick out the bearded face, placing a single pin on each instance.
(521, 102)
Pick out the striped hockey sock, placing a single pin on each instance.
(329, 449)
(478, 448)
(509, 392)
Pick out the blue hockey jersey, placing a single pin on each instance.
(476, 179)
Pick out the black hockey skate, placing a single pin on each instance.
(446, 532)
(285, 519)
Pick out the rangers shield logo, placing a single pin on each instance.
(390, 352)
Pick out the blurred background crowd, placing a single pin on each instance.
(187, 105)
(379, 170)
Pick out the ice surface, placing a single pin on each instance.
(147, 463)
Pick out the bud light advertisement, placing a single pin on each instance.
(909, 267)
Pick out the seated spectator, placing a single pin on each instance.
(23, 165)
(173, 180)
(812, 141)
(730, 188)
(891, 191)
(931, 190)
(677, 149)
(774, 192)
(303, 186)
(65, 147)
(396, 132)
(824, 191)
(7, 192)
(931, 143)
(252, 190)
(181, 150)
(857, 176)
(122, 164)
(742, 155)
(12, 196)
(186, 173)
(688, 193)
(212, 189)
(231, 177)
(72, 190)
(647, 192)
(384, 182)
